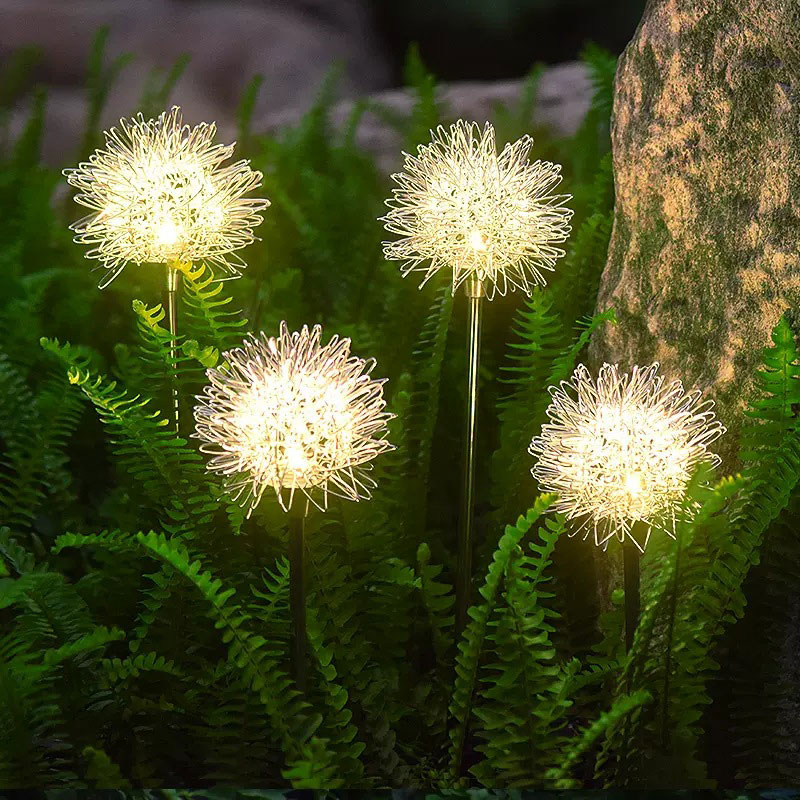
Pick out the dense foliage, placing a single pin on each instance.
(145, 623)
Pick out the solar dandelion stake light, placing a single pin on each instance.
(493, 221)
(620, 452)
(305, 420)
(159, 193)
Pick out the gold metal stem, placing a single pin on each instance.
(630, 559)
(475, 294)
(173, 281)
(297, 595)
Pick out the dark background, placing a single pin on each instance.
(491, 39)
(294, 45)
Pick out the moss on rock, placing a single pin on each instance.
(706, 142)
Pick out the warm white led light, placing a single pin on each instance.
(461, 206)
(621, 450)
(159, 194)
(290, 413)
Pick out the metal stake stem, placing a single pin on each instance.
(297, 596)
(173, 280)
(475, 293)
(630, 560)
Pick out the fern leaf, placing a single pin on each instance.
(471, 645)
(559, 777)
(208, 318)
(34, 752)
(119, 670)
(289, 715)
(170, 473)
(522, 697)
(96, 640)
(338, 729)
(101, 771)
(423, 408)
(438, 599)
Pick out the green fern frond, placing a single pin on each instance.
(111, 540)
(679, 616)
(559, 777)
(471, 645)
(119, 670)
(576, 284)
(760, 693)
(15, 556)
(34, 751)
(159, 85)
(153, 600)
(698, 591)
(101, 771)
(337, 729)
(426, 371)
(170, 473)
(208, 317)
(438, 599)
(99, 79)
(427, 110)
(773, 411)
(95, 640)
(290, 716)
(592, 139)
(523, 698)
(513, 121)
(335, 599)
(35, 430)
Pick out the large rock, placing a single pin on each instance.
(706, 139)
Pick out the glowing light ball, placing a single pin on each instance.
(462, 206)
(289, 413)
(621, 450)
(159, 193)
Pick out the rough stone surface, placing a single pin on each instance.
(704, 253)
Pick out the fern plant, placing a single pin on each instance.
(145, 621)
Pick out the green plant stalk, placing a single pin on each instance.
(475, 293)
(297, 595)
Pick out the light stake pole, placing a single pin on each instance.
(630, 565)
(475, 295)
(619, 450)
(297, 595)
(173, 282)
(160, 193)
(493, 221)
(303, 419)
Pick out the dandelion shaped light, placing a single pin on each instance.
(622, 449)
(289, 413)
(159, 193)
(460, 205)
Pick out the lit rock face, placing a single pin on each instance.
(705, 252)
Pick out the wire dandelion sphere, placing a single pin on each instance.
(459, 204)
(622, 450)
(159, 194)
(293, 414)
